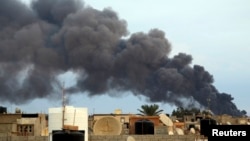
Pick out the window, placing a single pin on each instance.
(25, 130)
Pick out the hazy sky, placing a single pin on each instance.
(216, 34)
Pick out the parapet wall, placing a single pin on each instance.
(23, 138)
(109, 138)
(143, 138)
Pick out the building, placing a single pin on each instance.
(68, 116)
(19, 124)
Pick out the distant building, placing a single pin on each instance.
(19, 124)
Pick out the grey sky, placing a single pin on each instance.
(216, 34)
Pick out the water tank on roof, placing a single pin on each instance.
(205, 125)
(3, 110)
(68, 136)
(144, 127)
(18, 111)
(191, 126)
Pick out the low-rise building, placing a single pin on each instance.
(19, 124)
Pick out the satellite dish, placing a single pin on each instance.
(242, 121)
(107, 126)
(192, 130)
(165, 120)
(197, 127)
(179, 131)
(130, 138)
(171, 133)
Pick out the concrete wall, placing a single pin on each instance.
(110, 138)
(9, 118)
(9, 123)
(22, 138)
(143, 138)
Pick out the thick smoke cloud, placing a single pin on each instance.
(51, 37)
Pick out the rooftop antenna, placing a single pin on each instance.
(208, 104)
(63, 106)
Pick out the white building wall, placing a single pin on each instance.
(73, 116)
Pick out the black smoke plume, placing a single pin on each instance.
(51, 37)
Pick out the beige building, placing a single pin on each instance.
(19, 124)
(8, 123)
(229, 120)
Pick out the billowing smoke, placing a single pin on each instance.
(51, 37)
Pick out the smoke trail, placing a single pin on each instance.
(55, 36)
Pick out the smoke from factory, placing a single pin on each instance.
(51, 37)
